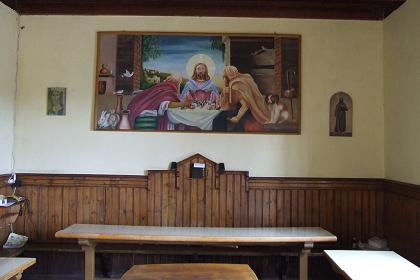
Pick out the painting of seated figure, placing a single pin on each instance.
(198, 82)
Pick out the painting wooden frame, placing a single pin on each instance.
(190, 82)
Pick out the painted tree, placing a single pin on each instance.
(150, 47)
(216, 43)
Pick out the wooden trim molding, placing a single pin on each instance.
(86, 180)
(404, 189)
(314, 183)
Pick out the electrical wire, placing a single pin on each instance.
(19, 29)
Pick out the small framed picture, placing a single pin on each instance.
(56, 101)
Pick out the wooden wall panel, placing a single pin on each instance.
(347, 208)
(358, 208)
(402, 219)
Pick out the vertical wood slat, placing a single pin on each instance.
(372, 213)
(43, 214)
(157, 210)
(201, 203)
(346, 239)
(358, 215)
(143, 206)
(266, 208)
(280, 208)
(215, 211)
(136, 207)
(338, 216)
(244, 202)
(330, 210)
(194, 202)
(32, 215)
(179, 199)
(129, 216)
(259, 208)
(287, 208)
(186, 196)
(222, 201)
(252, 208)
(294, 208)
(273, 208)
(352, 215)
(308, 207)
(169, 185)
(229, 201)
(365, 215)
(380, 213)
(315, 208)
(150, 199)
(208, 198)
(236, 201)
(301, 208)
(165, 200)
(122, 215)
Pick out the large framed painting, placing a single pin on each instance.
(232, 83)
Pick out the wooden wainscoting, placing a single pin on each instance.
(402, 218)
(346, 207)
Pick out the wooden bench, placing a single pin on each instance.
(89, 235)
(12, 268)
(367, 265)
(208, 271)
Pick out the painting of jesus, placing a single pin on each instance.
(203, 97)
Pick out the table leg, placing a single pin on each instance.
(89, 249)
(303, 261)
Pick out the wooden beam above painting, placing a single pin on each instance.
(317, 9)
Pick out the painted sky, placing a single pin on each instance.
(176, 50)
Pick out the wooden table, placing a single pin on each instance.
(12, 268)
(190, 271)
(368, 265)
(89, 235)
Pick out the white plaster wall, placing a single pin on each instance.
(402, 93)
(8, 57)
(336, 56)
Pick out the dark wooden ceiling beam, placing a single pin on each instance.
(318, 9)
(11, 3)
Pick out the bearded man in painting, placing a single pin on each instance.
(240, 95)
(200, 88)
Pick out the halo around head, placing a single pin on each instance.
(201, 58)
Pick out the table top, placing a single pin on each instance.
(10, 267)
(368, 265)
(182, 271)
(197, 235)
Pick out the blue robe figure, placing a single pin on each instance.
(200, 88)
